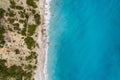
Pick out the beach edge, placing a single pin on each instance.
(41, 71)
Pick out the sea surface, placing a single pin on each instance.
(84, 40)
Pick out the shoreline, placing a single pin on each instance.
(41, 71)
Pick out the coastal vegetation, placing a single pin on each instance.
(33, 11)
(19, 7)
(2, 41)
(23, 32)
(33, 55)
(18, 34)
(37, 18)
(13, 71)
(31, 3)
(2, 11)
(30, 42)
(17, 51)
(31, 29)
(10, 13)
(12, 4)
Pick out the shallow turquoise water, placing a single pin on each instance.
(84, 40)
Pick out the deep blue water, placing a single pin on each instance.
(84, 40)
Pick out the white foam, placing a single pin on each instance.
(47, 20)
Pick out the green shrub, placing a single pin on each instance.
(31, 29)
(25, 24)
(21, 21)
(11, 13)
(29, 42)
(27, 16)
(3, 68)
(29, 67)
(12, 4)
(11, 20)
(2, 11)
(31, 3)
(33, 11)
(37, 18)
(23, 32)
(17, 51)
(33, 55)
(2, 62)
(19, 7)
(10, 29)
(16, 26)
(2, 42)
(28, 76)
(2, 31)
(22, 14)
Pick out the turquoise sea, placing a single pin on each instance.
(84, 40)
